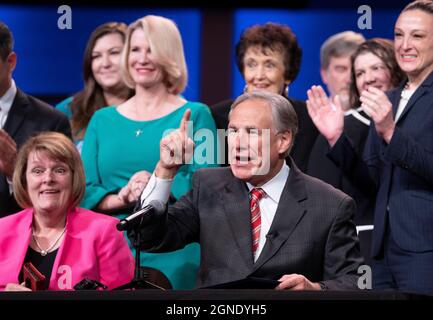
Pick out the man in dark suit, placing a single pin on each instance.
(305, 237)
(21, 116)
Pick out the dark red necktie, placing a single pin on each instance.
(255, 195)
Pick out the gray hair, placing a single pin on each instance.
(340, 44)
(284, 117)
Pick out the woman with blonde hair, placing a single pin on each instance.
(121, 145)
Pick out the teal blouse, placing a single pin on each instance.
(65, 107)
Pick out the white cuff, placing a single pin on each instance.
(156, 189)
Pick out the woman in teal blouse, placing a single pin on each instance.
(121, 145)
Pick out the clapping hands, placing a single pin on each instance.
(132, 191)
(327, 115)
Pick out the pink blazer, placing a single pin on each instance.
(92, 248)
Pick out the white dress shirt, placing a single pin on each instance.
(156, 189)
(405, 96)
(269, 203)
(159, 189)
(6, 103)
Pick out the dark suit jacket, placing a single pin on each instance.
(304, 141)
(320, 166)
(27, 117)
(401, 172)
(323, 168)
(312, 232)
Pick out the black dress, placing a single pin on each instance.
(43, 263)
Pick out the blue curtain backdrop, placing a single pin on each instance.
(50, 59)
(312, 28)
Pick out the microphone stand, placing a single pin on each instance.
(140, 276)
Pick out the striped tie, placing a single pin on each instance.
(255, 195)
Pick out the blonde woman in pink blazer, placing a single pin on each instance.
(65, 243)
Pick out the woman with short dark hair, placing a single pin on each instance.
(269, 57)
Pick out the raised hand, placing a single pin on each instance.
(327, 115)
(175, 150)
(377, 105)
(8, 154)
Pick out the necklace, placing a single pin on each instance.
(45, 252)
(138, 133)
(406, 93)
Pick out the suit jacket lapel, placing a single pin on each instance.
(289, 213)
(394, 97)
(422, 90)
(16, 114)
(237, 207)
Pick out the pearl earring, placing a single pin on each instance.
(286, 91)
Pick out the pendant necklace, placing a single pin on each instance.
(45, 252)
(138, 133)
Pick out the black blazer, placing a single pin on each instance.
(320, 166)
(401, 173)
(27, 117)
(304, 141)
(312, 232)
(323, 168)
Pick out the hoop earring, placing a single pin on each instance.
(286, 91)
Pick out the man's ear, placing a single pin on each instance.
(11, 61)
(285, 141)
(324, 75)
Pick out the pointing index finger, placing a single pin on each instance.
(185, 118)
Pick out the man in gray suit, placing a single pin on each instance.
(304, 237)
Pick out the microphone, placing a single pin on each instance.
(155, 206)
